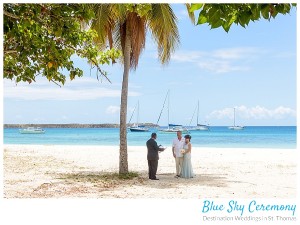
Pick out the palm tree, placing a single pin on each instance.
(124, 26)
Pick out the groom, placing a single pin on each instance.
(176, 147)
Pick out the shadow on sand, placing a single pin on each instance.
(103, 184)
(166, 180)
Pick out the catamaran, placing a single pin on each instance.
(172, 128)
(234, 127)
(136, 127)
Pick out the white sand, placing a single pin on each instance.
(47, 171)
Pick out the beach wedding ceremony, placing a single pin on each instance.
(149, 101)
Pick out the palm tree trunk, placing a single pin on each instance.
(123, 161)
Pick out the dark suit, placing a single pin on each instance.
(152, 157)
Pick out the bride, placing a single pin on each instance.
(187, 170)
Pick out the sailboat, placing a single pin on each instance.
(172, 128)
(234, 127)
(199, 126)
(136, 127)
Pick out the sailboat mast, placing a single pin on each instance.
(193, 116)
(162, 107)
(234, 117)
(169, 110)
(132, 113)
(138, 111)
(198, 113)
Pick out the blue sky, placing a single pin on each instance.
(252, 69)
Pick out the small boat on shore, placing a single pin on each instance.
(32, 130)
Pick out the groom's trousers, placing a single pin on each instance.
(179, 162)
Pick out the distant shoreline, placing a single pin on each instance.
(73, 125)
(102, 125)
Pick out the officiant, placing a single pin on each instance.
(152, 156)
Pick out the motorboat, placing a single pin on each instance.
(32, 130)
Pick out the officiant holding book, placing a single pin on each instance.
(152, 156)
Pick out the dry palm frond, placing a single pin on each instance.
(138, 37)
(191, 14)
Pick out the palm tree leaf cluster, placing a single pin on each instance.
(114, 20)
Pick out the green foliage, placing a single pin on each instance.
(140, 9)
(217, 15)
(39, 39)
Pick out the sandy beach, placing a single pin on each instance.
(48, 171)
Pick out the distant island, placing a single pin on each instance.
(74, 125)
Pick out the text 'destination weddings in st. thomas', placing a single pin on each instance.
(248, 210)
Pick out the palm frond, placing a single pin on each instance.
(163, 26)
(138, 37)
(111, 25)
(191, 14)
(102, 23)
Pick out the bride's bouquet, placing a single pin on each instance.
(182, 151)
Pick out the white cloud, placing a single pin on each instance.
(235, 53)
(188, 56)
(220, 66)
(220, 60)
(112, 109)
(257, 112)
(80, 89)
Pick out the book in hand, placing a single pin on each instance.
(161, 148)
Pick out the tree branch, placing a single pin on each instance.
(95, 63)
(102, 73)
(56, 83)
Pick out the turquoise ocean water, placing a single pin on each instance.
(217, 137)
